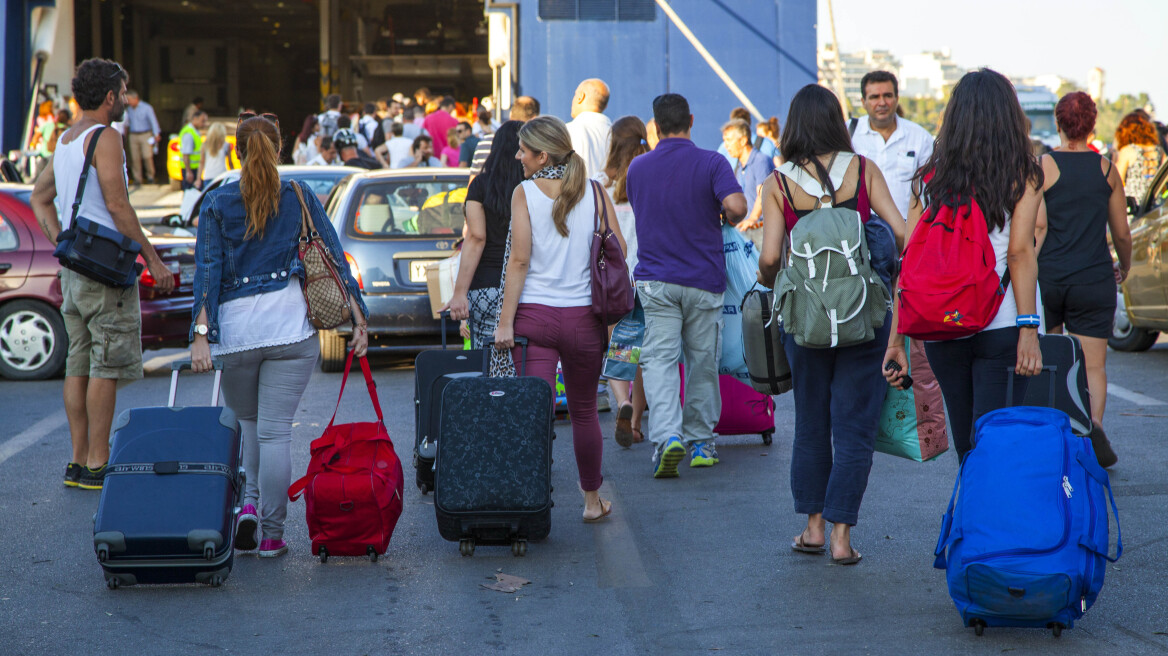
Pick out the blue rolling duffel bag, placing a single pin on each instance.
(1025, 538)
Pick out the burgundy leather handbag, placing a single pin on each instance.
(612, 287)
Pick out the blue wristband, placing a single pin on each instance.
(1028, 320)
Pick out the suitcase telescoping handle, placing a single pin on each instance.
(179, 365)
(520, 341)
(1050, 398)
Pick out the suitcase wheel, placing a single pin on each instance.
(768, 437)
(1056, 628)
(216, 581)
(466, 546)
(978, 627)
(323, 555)
(519, 548)
(112, 582)
(372, 553)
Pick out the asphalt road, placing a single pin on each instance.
(699, 564)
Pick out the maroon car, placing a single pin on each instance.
(33, 343)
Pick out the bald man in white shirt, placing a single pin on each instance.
(590, 129)
(896, 145)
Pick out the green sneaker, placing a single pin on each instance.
(665, 460)
(91, 479)
(704, 454)
(72, 474)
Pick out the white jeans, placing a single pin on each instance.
(681, 320)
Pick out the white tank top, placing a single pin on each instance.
(1007, 315)
(67, 161)
(559, 274)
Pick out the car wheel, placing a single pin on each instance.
(332, 351)
(33, 343)
(1125, 336)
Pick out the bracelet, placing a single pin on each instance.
(1028, 321)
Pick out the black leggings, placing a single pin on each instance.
(972, 374)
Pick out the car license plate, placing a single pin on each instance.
(186, 274)
(418, 270)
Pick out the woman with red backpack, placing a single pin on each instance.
(976, 202)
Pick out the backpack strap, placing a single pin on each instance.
(788, 203)
(852, 127)
(862, 203)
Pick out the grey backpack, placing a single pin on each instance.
(828, 296)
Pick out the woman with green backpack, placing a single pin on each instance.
(835, 312)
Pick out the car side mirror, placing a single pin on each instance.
(1133, 207)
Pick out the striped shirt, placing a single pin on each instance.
(480, 154)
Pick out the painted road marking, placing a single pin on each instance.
(32, 435)
(618, 561)
(1132, 397)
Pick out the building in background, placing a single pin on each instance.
(929, 74)
(1096, 79)
(855, 65)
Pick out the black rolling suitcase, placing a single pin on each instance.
(172, 487)
(1065, 355)
(494, 462)
(430, 378)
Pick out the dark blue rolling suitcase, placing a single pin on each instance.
(494, 461)
(431, 374)
(172, 487)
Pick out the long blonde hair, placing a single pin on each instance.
(548, 134)
(258, 142)
(216, 138)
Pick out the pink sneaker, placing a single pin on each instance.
(273, 548)
(245, 528)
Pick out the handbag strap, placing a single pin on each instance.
(89, 152)
(601, 213)
(307, 228)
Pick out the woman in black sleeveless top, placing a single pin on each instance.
(1084, 198)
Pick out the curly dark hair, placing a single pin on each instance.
(1075, 113)
(982, 151)
(94, 79)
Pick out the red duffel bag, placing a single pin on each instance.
(353, 488)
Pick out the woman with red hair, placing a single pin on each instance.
(1139, 153)
(1084, 196)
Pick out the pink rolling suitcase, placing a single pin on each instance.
(744, 410)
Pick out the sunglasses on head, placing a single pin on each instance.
(117, 72)
(243, 116)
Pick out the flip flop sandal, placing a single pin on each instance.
(802, 547)
(607, 506)
(854, 558)
(624, 425)
(638, 436)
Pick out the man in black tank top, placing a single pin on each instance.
(104, 324)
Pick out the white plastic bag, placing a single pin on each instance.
(741, 276)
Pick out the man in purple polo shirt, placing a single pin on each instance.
(678, 193)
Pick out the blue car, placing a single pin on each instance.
(392, 223)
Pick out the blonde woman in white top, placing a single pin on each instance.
(548, 293)
(216, 154)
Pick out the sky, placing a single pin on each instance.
(1128, 39)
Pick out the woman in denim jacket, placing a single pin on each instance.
(247, 314)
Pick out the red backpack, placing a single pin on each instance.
(948, 285)
(353, 488)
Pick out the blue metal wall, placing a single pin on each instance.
(766, 46)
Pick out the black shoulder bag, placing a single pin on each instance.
(93, 250)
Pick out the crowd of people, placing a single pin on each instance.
(538, 185)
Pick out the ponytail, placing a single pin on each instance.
(571, 191)
(259, 181)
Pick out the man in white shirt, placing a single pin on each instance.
(897, 145)
(327, 155)
(396, 150)
(590, 129)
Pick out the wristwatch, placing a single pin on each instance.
(201, 329)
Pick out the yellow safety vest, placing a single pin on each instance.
(197, 139)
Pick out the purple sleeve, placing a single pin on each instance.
(723, 178)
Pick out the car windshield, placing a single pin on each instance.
(407, 208)
(321, 185)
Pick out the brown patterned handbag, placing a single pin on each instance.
(324, 290)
